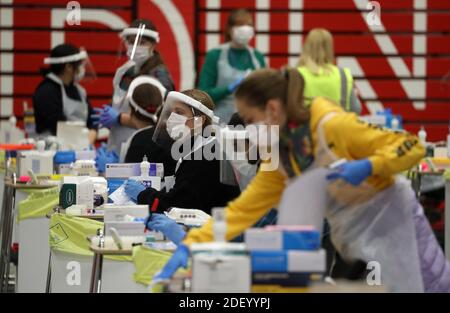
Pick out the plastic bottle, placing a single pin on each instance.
(145, 167)
(29, 120)
(148, 180)
(219, 225)
(394, 123)
(40, 146)
(422, 135)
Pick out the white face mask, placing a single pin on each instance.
(81, 73)
(263, 135)
(242, 34)
(141, 55)
(176, 126)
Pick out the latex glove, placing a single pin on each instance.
(96, 117)
(232, 87)
(353, 172)
(133, 189)
(105, 157)
(109, 116)
(179, 259)
(171, 229)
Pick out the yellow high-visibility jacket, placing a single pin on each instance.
(389, 152)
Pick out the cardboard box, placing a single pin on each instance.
(289, 261)
(258, 239)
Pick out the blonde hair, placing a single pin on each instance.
(317, 51)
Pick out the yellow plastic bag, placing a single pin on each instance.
(68, 234)
(447, 175)
(38, 203)
(148, 262)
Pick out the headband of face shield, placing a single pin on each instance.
(82, 55)
(172, 125)
(133, 31)
(85, 70)
(178, 96)
(140, 80)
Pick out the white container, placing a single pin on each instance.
(220, 267)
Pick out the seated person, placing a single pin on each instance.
(197, 181)
(145, 96)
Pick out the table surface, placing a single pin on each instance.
(9, 183)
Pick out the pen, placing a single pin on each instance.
(152, 210)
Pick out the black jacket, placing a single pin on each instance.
(197, 186)
(48, 106)
(142, 145)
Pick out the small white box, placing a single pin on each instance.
(307, 261)
(38, 162)
(221, 273)
(261, 239)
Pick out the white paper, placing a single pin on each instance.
(304, 200)
(120, 197)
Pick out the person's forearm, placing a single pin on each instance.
(92, 136)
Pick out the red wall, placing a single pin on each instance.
(401, 65)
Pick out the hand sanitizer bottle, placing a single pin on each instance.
(422, 135)
(219, 225)
(148, 175)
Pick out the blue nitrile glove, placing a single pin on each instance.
(353, 172)
(179, 259)
(171, 229)
(105, 157)
(109, 116)
(96, 116)
(133, 189)
(232, 87)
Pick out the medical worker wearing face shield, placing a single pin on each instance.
(180, 129)
(59, 96)
(226, 65)
(373, 213)
(145, 97)
(143, 60)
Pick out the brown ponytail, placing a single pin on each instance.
(267, 84)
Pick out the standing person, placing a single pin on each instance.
(373, 214)
(59, 96)
(321, 76)
(226, 65)
(145, 61)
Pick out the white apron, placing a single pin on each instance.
(120, 134)
(74, 110)
(371, 225)
(226, 74)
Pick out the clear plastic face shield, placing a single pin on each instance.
(138, 43)
(180, 121)
(85, 72)
(239, 157)
(139, 81)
